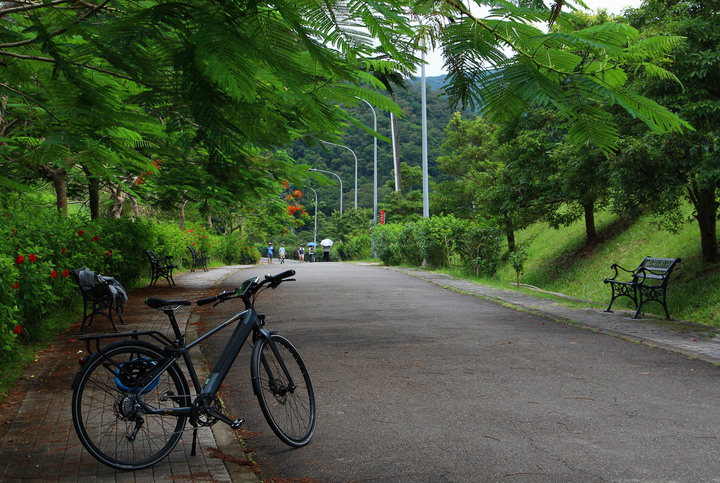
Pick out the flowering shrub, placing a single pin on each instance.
(39, 251)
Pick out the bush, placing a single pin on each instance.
(387, 243)
(441, 241)
(356, 248)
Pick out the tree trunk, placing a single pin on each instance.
(706, 208)
(58, 178)
(209, 222)
(396, 148)
(510, 234)
(93, 194)
(181, 207)
(136, 206)
(119, 197)
(590, 231)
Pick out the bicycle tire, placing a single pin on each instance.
(105, 413)
(291, 413)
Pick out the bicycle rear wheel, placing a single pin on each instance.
(107, 412)
(288, 408)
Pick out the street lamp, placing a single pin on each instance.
(423, 87)
(339, 179)
(375, 178)
(315, 230)
(356, 164)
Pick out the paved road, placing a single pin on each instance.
(418, 383)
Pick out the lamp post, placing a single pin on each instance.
(426, 203)
(315, 230)
(356, 164)
(339, 179)
(375, 177)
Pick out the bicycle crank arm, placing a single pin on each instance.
(234, 424)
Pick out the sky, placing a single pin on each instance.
(435, 62)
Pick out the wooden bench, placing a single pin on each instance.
(160, 269)
(101, 295)
(199, 259)
(647, 283)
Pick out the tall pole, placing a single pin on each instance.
(315, 230)
(356, 164)
(375, 176)
(426, 203)
(339, 179)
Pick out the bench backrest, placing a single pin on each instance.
(153, 259)
(657, 268)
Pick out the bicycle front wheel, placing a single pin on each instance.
(288, 403)
(112, 401)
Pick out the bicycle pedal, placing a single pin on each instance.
(237, 423)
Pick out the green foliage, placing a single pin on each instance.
(232, 251)
(574, 70)
(441, 242)
(359, 247)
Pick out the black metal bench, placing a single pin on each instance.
(199, 259)
(161, 269)
(101, 295)
(647, 283)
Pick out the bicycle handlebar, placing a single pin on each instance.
(273, 280)
(220, 296)
(280, 276)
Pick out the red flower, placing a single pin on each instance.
(53, 274)
(285, 183)
(109, 254)
(297, 194)
(32, 257)
(80, 232)
(19, 259)
(16, 286)
(17, 330)
(65, 273)
(63, 251)
(95, 238)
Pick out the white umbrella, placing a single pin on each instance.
(326, 242)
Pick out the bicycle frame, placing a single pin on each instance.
(250, 323)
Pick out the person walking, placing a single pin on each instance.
(270, 252)
(326, 253)
(301, 253)
(312, 254)
(281, 252)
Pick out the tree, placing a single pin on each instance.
(117, 86)
(545, 68)
(660, 171)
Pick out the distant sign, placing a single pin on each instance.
(382, 217)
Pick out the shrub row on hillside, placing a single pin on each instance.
(441, 241)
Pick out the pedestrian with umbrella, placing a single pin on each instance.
(326, 243)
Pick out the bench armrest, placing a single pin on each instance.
(617, 267)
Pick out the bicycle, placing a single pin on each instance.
(131, 400)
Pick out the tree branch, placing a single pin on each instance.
(77, 64)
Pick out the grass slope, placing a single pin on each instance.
(559, 261)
